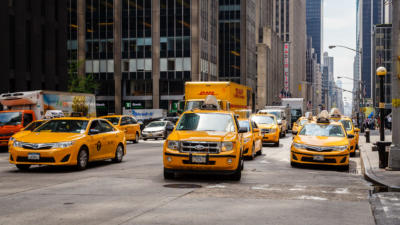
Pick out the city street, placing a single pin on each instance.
(135, 192)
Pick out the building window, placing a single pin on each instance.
(171, 65)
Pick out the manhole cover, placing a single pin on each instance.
(182, 186)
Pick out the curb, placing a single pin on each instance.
(370, 175)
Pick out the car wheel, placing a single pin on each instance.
(277, 144)
(260, 152)
(237, 175)
(119, 154)
(357, 146)
(293, 164)
(344, 168)
(165, 135)
(23, 166)
(168, 175)
(136, 138)
(352, 154)
(253, 153)
(82, 159)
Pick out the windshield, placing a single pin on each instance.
(302, 122)
(263, 120)
(324, 130)
(113, 120)
(10, 118)
(276, 113)
(206, 122)
(244, 123)
(347, 124)
(33, 125)
(64, 126)
(156, 124)
(193, 105)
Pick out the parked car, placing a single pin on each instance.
(157, 129)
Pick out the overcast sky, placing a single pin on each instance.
(340, 29)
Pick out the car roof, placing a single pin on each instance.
(209, 111)
(111, 116)
(74, 118)
(264, 114)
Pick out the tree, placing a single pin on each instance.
(81, 84)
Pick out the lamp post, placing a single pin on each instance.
(381, 73)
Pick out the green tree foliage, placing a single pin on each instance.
(85, 84)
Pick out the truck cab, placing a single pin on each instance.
(12, 121)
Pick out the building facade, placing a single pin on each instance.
(164, 44)
(314, 21)
(33, 56)
(289, 19)
(328, 82)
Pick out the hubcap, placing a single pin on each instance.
(83, 158)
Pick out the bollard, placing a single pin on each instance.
(367, 135)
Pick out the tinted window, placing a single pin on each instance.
(113, 120)
(33, 125)
(125, 121)
(28, 118)
(10, 118)
(95, 126)
(105, 127)
(244, 123)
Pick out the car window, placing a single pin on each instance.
(254, 124)
(33, 125)
(133, 120)
(105, 127)
(96, 125)
(261, 119)
(63, 126)
(245, 124)
(325, 130)
(28, 118)
(113, 120)
(347, 124)
(207, 122)
(125, 121)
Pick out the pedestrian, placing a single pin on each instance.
(389, 120)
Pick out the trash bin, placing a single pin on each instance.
(383, 154)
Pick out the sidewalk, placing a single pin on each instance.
(370, 163)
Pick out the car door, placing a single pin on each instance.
(97, 142)
(135, 125)
(126, 127)
(110, 136)
(257, 135)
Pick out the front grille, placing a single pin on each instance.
(36, 146)
(266, 131)
(319, 149)
(42, 159)
(310, 159)
(200, 147)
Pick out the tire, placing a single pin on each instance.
(144, 139)
(82, 159)
(293, 164)
(352, 154)
(168, 175)
(253, 154)
(237, 175)
(136, 138)
(277, 144)
(260, 152)
(119, 154)
(344, 168)
(23, 166)
(357, 146)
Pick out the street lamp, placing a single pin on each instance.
(342, 46)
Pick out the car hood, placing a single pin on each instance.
(216, 136)
(21, 134)
(49, 137)
(321, 141)
(153, 129)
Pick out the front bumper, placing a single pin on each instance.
(153, 134)
(336, 158)
(270, 137)
(175, 161)
(64, 156)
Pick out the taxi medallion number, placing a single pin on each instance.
(33, 156)
(318, 157)
(198, 159)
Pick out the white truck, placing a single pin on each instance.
(297, 106)
(40, 101)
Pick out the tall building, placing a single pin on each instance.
(339, 95)
(311, 70)
(290, 24)
(328, 82)
(33, 55)
(314, 20)
(164, 44)
(382, 55)
(371, 14)
(237, 42)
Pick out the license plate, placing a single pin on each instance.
(150, 134)
(198, 159)
(33, 156)
(318, 157)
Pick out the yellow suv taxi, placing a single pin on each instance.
(269, 127)
(68, 141)
(321, 142)
(252, 139)
(350, 129)
(128, 124)
(204, 141)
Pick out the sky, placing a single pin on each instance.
(340, 29)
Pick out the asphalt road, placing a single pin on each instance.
(134, 192)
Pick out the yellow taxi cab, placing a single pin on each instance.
(335, 115)
(350, 129)
(299, 123)
(321, 142)
(68, 141)
(206, 140)
(252, 139)
(128, 124)
(26, 130)
(269, 127)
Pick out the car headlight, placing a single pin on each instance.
(11, 139)
(246, 140)
(65, 144)
(226, 146)
(340, 148)
(17, 144)
(297, 145)
(173, 145)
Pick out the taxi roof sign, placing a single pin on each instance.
(210, 103)
(323, 117)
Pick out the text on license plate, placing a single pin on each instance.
(33, 156)
(318, 157)
(198, 159)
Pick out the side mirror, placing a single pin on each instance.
(350, 136)
(242, 130)
(256, 130)
(93, 131)
(169, 128)
(294, 132)
(357, 129)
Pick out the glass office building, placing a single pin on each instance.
(314, 21)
